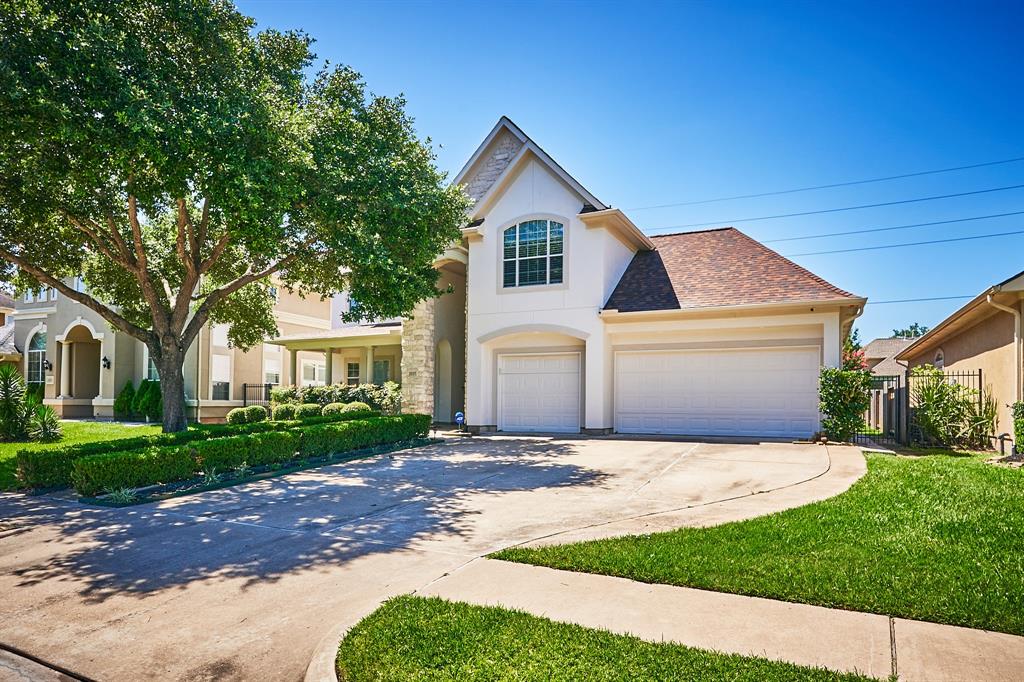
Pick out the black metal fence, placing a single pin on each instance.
(883, 420)
(920, 385)
(256, 394)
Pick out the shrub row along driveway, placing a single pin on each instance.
(243, 583)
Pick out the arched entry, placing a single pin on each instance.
(79, 368)
(443, 381)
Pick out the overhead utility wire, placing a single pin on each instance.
(916, 300)
(897, 246)
(887, 229)
(844, 208)
(835, 184)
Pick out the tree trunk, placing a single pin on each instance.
(172, 389)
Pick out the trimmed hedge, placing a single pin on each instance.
(307, 410)
(333, 408)
(114, 470)
(284, 412)
(109, 471)
(237, 415)
(255, 413)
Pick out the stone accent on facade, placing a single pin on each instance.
(418, 359)
(503, 150)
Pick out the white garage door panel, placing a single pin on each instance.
(539, 393)
(762, 392)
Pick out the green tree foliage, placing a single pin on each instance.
(124, 400)
(845, 396)
(1018, 426)
(853, 353)
(912, 332)
(139, 401)
(177, 159)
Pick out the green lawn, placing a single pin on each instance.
(432, 639)
(936, 537)
(74, 432)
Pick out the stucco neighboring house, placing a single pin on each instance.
(9, 353)
(83, 363)
(985, 334)
(880, 355)
(566, 317)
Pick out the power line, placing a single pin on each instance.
(897, 246)
(895, 227)
(835, 184)
(917, 300)
(844, 208)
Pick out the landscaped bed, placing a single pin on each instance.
(75, 433)
(432, 639)
(935, 537)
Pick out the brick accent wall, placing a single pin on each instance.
(418, 359)
(503, 149)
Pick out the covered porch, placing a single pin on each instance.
(363, 354)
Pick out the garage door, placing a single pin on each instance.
(770, 392)
(539, 392)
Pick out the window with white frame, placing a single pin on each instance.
(314, 372)
(271, 364)
(352, 374)
(219, 335)
(28, 296)
(151, 371)
(532, 253)
(36, 366)
(381, 371)
(53, 294)
(220, 377)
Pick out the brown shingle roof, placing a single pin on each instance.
(885, 350)
(714, 268)
(6, 301)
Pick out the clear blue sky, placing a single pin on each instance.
(651, 104)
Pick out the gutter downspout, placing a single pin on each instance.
(1016, 339)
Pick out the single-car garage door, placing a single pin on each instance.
(742, 392)
(539, 392)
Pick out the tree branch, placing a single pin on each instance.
(144, 335)
(218, 251)
(93, 234)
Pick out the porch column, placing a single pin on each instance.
(329, 370)
(366, 367)
(65, 369)
(293, 364)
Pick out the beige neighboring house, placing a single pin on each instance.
(985, 334)
(565, 317)
(880, 355)
(83, 363)
(9, 353)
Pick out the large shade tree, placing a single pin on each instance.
(177, 159)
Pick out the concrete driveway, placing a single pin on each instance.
(243, 583)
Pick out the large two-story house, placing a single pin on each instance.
(564, 316)
(81, 363)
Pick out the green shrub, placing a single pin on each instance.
(154, 403)
(44, 425)
(284, 395)
(14, 417)
(237, 415)
(253, 449)
(946, 412)
(123, 401)
(845, 396)
(386, 398)
(112, 471)
(139, 401)
(306, 410)
(356, 434)
(355, 407)
(1018, 426)
(284, 412)
(333, 409)
(255, 413)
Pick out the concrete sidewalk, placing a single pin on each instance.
(848, 641)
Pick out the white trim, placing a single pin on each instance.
(231, 377)
(305, 320)
(97, 336)
(614, 315)
(145, 365)
(532, 327)
(41, 327)
(516, 223)
(33, 313)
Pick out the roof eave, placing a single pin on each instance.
(617, 315)
(617, 221)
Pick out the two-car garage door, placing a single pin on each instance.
(741, 392)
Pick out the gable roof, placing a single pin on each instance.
(6, 301)
(482, 173)
(716, 268)
(885, 351)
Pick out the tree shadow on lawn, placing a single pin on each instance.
(313, 520)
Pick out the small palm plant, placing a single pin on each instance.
(122, 495)
(14, 417)
(44, 424)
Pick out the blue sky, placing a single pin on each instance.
(657, 103)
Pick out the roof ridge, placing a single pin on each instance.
(677, 234)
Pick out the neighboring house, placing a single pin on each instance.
(985, 334)
(880, 355)
(83, 363)
(565, 317)
(9, 353)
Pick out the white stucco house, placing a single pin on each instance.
(565, 317)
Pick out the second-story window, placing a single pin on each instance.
(532, 253)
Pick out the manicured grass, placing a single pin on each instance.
(936, 537)
(413, 638)
(74, 432)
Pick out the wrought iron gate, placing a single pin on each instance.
(884, 422)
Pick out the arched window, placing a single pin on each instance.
(940, 359)
(37, 359)
(532, 254)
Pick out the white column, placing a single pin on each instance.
(595, 383)
(329, 364)
(369, 364)
(293, 365)
(65, 369)
(833, 351)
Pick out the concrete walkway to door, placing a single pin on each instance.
(243, 583)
